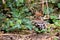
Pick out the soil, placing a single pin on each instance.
(28, 35)
(32, 36)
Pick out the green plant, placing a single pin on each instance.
(55, 38)
(16, 16)
(57, 22)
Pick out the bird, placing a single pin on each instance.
(38, 14)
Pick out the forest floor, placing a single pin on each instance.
(30, 36)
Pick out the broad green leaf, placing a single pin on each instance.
(19, 2)
(57, 22)
(55, 38)
(11, 23)
(58, 5)
(29, 27)
(19, 21)
(53, 17)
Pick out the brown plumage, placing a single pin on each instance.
(38, 14)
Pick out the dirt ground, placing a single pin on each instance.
(27, 37)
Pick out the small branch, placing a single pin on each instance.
(3, 1)
(42, 4)
(47, 7)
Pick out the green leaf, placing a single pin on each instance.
(49, 10)
(53, 17)
(19, 21)
(11, 23)
(55, 38)
(15, 13)
(2, 16)
(58, 5)
(57, 22)
(36, 29)
(19, 2)
(53, 1)
(43, 30)
(29, 27)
